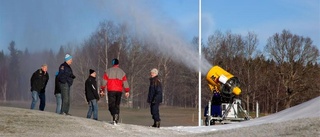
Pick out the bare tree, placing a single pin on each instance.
(80, 69)
(103, 39)
(291, 52)
(3, 76)
(165, 65)
(136, 65)
(250, 45)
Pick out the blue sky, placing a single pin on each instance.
(44, 24)
(264, 17)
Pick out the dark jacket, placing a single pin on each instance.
(155, 91)
(65, 74)
(91, 89)
(56, 86)
(39, 81)
(216, 98)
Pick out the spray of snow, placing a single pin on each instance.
(164, 35)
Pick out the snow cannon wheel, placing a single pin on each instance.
(209, 122)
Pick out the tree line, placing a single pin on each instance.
(284, 74)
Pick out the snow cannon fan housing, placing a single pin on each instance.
(223, 82)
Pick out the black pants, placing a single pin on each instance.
(154, 108)
(114, 99)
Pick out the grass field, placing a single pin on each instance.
(170, 116)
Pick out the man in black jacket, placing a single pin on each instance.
(65, 77)
(92, 94)
(39, 82)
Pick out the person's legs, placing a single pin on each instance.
(216, 110)
(42, 97)
(155, 114)
(35, 96)
(118, 101)
(59, 101)
(90, 109)
(112, 103)
(65, 98)
(117, 106)
(95, 109)
(151, 112)
(68, 100)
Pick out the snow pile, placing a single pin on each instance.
(308, 109)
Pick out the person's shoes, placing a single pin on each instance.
(116, 118)
(65, 114)
(157, 124)
(154, 124)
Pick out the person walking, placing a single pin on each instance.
(39, 80)
(155, 97)
(91, 92)
(66, 78)
(57, 93)
(115, 81)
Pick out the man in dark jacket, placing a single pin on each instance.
(155, 97)
(57, 93)
(65, 77)
(92, 94)
(39, 82)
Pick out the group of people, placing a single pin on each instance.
(114, 83)
(63, 82)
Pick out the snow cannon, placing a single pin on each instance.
(222, 81)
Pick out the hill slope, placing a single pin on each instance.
(301, 120)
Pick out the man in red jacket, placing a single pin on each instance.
(115, 81)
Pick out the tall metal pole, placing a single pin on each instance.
(199, 42)
(257, 109)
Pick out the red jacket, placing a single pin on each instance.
(114, 79)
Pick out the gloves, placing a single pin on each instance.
(73, 76)
(153, 101)
(101, 93)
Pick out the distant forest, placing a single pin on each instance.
(284, 74)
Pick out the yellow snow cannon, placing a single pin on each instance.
(222, 81)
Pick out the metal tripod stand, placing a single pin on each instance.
(210, 120)
(225, 114)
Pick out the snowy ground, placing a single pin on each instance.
(301, 120)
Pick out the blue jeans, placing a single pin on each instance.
(93, 107)
(35, 95)
(65, 95)
(59, 102)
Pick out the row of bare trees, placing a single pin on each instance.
(283, 75)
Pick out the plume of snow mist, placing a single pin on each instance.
(164, 35)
